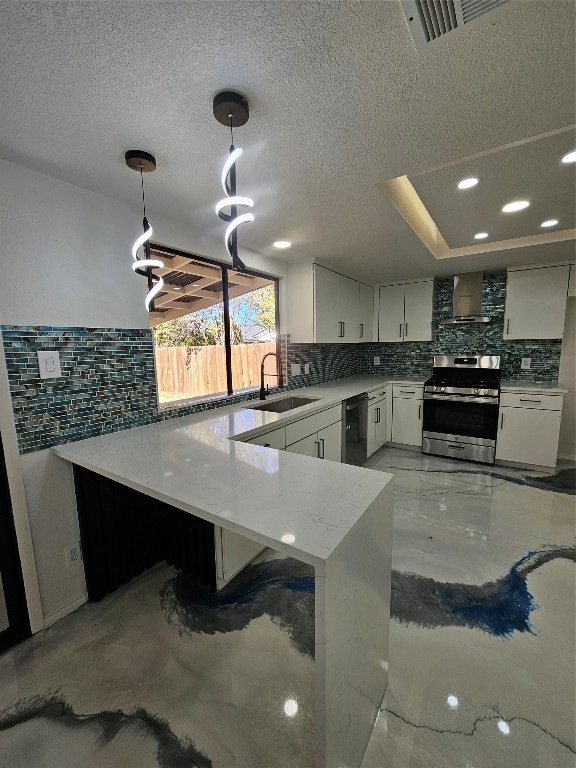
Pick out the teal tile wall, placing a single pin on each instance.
(108, 384)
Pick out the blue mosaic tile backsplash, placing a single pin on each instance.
(108, 381)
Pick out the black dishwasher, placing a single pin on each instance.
(355, 420)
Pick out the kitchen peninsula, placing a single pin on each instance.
(332, 516)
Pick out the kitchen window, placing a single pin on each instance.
(212, 325)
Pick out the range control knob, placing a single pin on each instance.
(442, 389)
(477, 391)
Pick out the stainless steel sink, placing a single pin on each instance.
(286, 404)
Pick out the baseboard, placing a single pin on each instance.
(59, 613)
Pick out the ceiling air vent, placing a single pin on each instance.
(431, 20)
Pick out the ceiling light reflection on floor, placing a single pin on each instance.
(549, 223)
(290, 707)
(515, 205)
(452, 701)
(503, 727)
(468, 183)
(480, 235)
(569, 158)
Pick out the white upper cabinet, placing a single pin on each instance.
(536, 303)
(328, 323)
(405, 311)
(572, 281)
(391, 313)
(326, 307)
(366, 326)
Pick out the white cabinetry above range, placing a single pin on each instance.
(327, 307)
(405, 311)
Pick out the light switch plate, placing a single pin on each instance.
(526, 363)
(376, 361)
(49, 364)
(295, 369)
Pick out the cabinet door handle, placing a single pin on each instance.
(405, 330)
(266, 445)
(507, 326)
(361, 330)
(407, 392)
(419, 411)
(377, 416)
(400, 333)
(318, 449)
(341, 334)
(322, 446)
(530, 401)
(501, 420)
(460, 447)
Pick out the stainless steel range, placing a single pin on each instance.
(461, 407)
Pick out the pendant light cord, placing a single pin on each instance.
(143, 198)
(231, 130)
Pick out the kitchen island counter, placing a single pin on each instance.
(333, 516)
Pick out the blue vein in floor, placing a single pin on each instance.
(104, 727)
(284, 590)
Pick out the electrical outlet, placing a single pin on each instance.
(295, 369)
(306, 367)
(73, 555)
(526, 363)
(376, 361)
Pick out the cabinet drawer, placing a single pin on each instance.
(409, 392)
(540, 402)
(276, 438)
(298, 430)
(377, 394)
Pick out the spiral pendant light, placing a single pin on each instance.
(231, 109)
(141, 161)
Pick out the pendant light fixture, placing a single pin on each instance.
(231, 109)
(144, 162)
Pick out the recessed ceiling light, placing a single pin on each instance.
(282, 244)
(480, 235)
(549, 223)
(468, 183)
(515, 205)
(569, 158)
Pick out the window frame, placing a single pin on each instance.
(225, 270)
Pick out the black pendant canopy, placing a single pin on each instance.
(230, 109)
(138, 159)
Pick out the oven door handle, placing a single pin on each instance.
(462, 399)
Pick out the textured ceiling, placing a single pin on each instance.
(340, 100)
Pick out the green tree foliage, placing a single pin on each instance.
(206, 326)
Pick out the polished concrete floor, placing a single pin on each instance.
(481, 660)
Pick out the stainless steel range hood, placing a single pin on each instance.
(467, 300)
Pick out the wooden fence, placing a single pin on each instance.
(183, 372)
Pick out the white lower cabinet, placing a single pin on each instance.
(407, 415)
(233, 552)
(376, 433)
(307, 447)
(276, 438)
(529, 435)
(319, 435)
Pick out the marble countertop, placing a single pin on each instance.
(509, 385)
(295, 504)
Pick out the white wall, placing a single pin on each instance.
(66, 261)
(567, 379)
(66, 253)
